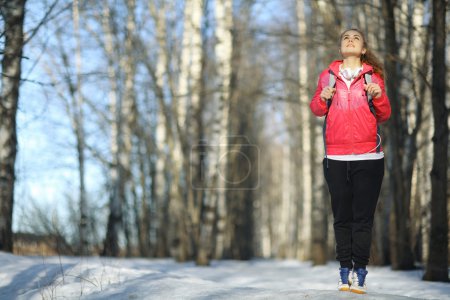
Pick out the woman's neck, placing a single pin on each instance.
(352, 62)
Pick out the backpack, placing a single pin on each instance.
(332, 83)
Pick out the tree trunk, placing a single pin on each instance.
(13, 13)
(196, 164)
(79, 133)
(185, 105)
(144, 213)
(419, 68)
(217, 173)
(401, 252)
(223, 49)
(305, 115)
(320, 197)
(319, 250)
(242, 163)
(111, 244)
(160, 199)
(190, 107)
(437, 265)
(129, 116)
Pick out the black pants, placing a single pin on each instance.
(354, 188)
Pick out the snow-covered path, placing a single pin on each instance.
(110, 278)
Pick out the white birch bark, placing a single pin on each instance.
(13, 19)
(79, 132)
(128, 115)
(190, 66)
(190, 72)
(422, 181)
(186, 55)
(305, 232)
(128, 111)
(416, 63)
(285, 211)
(290, 191)
(214, 199)
(161, 130)
(115, 173)
(223, 49)
(188, 109)
(425, 162)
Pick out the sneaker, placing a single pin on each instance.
(345, 279)
(359, 281)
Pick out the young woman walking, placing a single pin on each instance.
(351, 95)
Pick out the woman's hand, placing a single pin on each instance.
(327, 93)
(373, 89)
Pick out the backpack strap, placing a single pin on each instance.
(368, 79)
(331, 83)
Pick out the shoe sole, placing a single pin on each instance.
(357, 291)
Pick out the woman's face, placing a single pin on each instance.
(352, 44)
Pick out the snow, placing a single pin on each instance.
(26, 277)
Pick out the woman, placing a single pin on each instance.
(354, 160)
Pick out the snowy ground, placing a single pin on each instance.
(107, 278)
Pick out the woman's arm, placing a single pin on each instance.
(381, 104)
(317, 105)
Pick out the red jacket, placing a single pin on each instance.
(351, 126)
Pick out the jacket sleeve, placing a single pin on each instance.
(317, 105)
(381, 104)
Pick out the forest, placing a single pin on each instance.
(182, 128)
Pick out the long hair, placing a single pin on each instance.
(369, 57)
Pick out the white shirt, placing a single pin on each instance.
(353, 157)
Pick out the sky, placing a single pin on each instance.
(46, 165)
(39, 277)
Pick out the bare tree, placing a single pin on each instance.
(111, 245)
(214, 198)
(223, 50)
(243, 164)
(419, 76)
(78, 125)
(189, 114)
(437, 264)
(400, 234)
(160, 198)
(13, 13)
(305, 115)
(331, 17)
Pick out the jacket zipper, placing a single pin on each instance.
(349, 88)
(350, 115)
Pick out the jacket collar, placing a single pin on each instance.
(334, 67)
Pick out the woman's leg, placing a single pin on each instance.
(366, 177)
(341, 203)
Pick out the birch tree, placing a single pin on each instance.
(405, 123)
(420, 87)
(13, 14)
(128, 114)
(160, 182)
(111, 246)
(305, 227)
(330, 19)
(187, 98)
(80, 136)
(214, 198)
(244, 166)
(223, 51)
(190, 114)
(69, 90)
